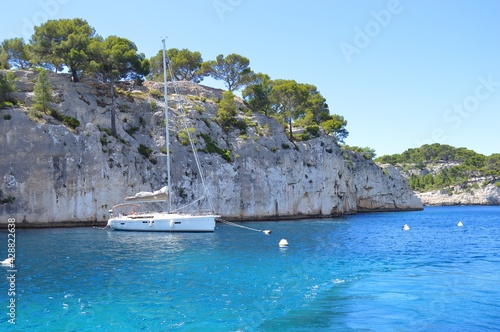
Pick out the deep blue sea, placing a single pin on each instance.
(353, 273)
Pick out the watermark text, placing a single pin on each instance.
(48, 9)
(455, 115)
(364, 36)
(11, 272)
(223, 6)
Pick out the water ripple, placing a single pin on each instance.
(360, 272)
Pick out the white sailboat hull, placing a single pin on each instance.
(163, 222)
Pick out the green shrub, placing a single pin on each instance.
(56, 115)
(7, 86)
(241, 125)
(144, 150)
(313, 129)
(132, 130)
(5, 104)
(7, 200)
(183, 137)
(34, 114)
(105, 130)
(7, 116)
(226, 114)
(199, 109)
(211, 147)
(66, 120)
(304, 137)
(70, 122)
(153, 105)
(366, 152)
(156, 94)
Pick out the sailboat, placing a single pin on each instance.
(162, 221)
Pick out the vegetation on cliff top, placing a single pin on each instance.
(438, 166)
(74, 45)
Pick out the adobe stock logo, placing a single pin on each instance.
(363, 37)
(223, 6)
(470, 104)
(456, 114)
(48, 9)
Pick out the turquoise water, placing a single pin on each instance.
(355, 273)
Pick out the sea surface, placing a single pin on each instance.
(354, 273)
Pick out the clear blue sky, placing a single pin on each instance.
(403, 73)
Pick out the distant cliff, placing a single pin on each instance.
(487, 195)
(53, 174)
(441, 174)
(476, 188)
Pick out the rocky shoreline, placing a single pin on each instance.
(487, 195)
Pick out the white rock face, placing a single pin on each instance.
(382, 189)
(57, 176)
(487, 195)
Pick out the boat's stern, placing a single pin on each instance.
(111, 219)
(110, 223)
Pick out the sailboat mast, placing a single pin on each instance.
(167, 137)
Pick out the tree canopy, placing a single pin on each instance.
(4, 59)
(74, 45)
(233, 69)
(116, 58)
(431, 153)
(294, 104)
(367, 152)
(42, 93)
(227, 110)
(185, 65)
(256, 95)
(7, 86)
(462, 165)
(336, 125)
(64, 42)
(288, 100)
(17, 53)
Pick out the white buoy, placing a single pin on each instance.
(406, 227)
(460, 224)
(283, 243)
(267, 232)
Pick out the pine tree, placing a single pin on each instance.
(43, 93)
(7, 86)
(226, 114)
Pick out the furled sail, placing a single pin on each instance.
(146, 196)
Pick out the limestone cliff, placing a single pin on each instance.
(477, 189)
(52, 174)
(486, 195)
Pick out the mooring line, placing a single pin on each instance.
(230, 223)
